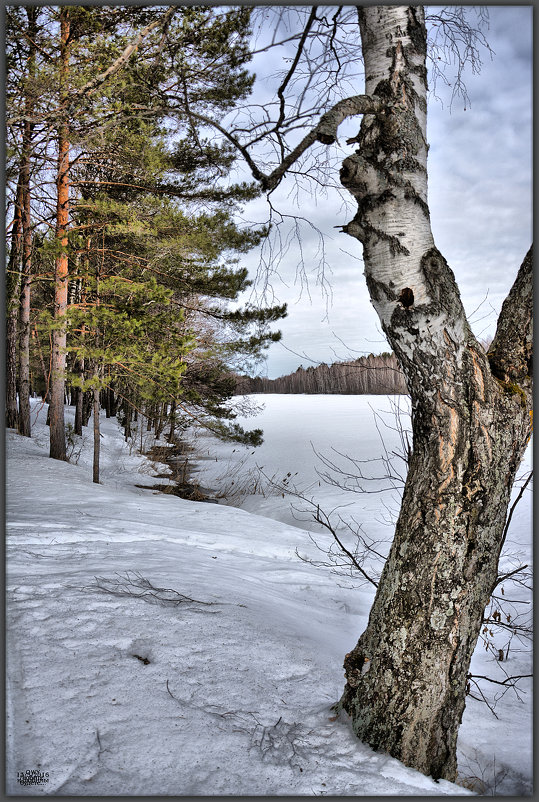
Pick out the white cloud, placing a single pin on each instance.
(480, 178)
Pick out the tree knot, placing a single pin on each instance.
(406, 298)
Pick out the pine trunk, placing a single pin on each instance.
(77, 427)
(107, 394)
(406, 677)
(45, 393)
(11, 369)
(59, 339)
(24, 425)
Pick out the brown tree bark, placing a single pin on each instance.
(24, 425)
(24, 302)
(77, 425)
(13, 281)
(58, 356)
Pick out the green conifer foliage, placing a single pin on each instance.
(154, 250)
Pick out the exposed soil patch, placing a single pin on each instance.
(176, 456)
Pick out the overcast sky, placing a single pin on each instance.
(480, 189)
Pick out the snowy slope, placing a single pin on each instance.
(494, 748)
(229, 693)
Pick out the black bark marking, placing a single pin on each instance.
(406, 298)
(379, 291)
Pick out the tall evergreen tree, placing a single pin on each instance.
(143, 207)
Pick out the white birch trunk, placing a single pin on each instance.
(470, 416)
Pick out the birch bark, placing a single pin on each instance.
(471, 418)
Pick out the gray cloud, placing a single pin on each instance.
(480, 179)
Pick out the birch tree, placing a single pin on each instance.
(471, 423)
(471, 410)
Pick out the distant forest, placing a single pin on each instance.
(368, 375)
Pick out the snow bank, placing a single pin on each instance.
(217, 679)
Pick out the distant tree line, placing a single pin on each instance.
(368, 375)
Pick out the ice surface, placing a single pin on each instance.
(114, 694)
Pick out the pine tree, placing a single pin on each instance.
(144, 209)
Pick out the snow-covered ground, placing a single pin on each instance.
(157, 646)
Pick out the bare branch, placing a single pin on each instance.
(281, 89)
(509, 681)
(325, 132)
(137, 586)
(507, 576)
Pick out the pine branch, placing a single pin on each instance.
(123, 59)
(100, 79)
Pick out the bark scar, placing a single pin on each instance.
(435, 566)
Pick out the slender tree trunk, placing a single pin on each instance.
(77, 426)
(161, 415)
(24, 303)
(13, 281)
(45, 394)
(24, 306)
(127, 420)
(59, 339)
(108, 401)
(79, 400)
(113, 400)
(97, 436)
(11, 369)
(24, 321)
(172, 420)
(406, 677)
(87, 402)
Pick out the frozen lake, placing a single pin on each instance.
(310, 443)
(315, 446)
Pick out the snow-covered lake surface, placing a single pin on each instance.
(157, 646)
